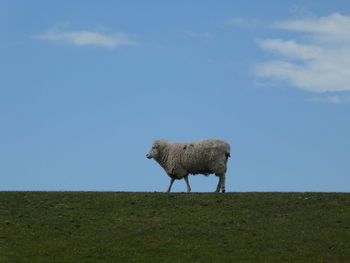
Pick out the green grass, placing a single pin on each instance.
(157, 227)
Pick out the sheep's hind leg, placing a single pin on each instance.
(222, 186)
(219, 184)
(170, 185)
(187, 183)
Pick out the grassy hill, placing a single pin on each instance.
(157, 227)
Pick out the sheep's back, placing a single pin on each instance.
(205, 156)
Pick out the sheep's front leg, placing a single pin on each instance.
(188, 184)
(170, 185)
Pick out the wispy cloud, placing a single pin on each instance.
(198, 34)
(86, 37)
(245, 22)
(319, 63)
(336, 99)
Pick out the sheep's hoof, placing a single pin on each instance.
(223, 191)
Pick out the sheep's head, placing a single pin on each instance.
(155, 150)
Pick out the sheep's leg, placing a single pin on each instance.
(170, 185)
(219, 184)
(188, 184)
(222, 181)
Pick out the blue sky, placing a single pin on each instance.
(87, 86)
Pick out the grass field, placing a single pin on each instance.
(157, 227)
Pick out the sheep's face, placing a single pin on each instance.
(154, 152)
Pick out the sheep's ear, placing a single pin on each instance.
(184, 148)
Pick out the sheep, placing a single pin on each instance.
(194, 157)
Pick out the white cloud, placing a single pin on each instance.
(321, 63)
(85, 37)
(291, 49)
(332, 28)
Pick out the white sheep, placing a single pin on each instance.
(195, 157)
